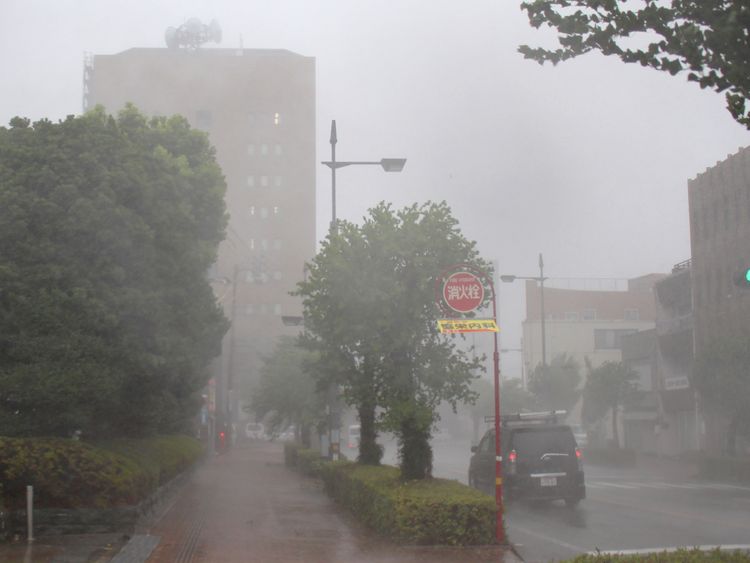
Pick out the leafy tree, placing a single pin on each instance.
(708, 39)
(286, 392)
(108, 226)
(369, 309)
(720, 374)
(607, 387)
(556, 386)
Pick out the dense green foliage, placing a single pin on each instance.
(108, 226)
(708, 39)
(720, 374)
(427, 511)
(69, 473)
(286, 392)
(678, 556)
(513, 399)
(369, 305)
(607, 387)
(555, 386)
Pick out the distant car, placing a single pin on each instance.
(255, 430)
(354, 433)
(540, 459)
(582, 438)
(287, 434)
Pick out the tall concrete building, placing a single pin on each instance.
(258, 108)
(719, 200)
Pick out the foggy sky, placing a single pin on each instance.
(586, 162)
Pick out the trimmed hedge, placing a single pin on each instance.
(678, 556)
(621, 457)
(306, 460)
(725, 469)
(72, 474)
(426, 512)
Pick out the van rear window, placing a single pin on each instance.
(538, 441)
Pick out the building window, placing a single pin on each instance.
(251, 150)
(263, 309)
(277, 275)
(252, 210)
(277, 150)
(263, 212)
(571, 316)
(277, 181)
(277, 118)
(631, 315)
(264, 244)
(249, 309)
(264, 149)
(610, 339)
(588, 314)
(249, 278)
(275, 209)
(251, 181)
(252, 244)
(264, 181)
(277, 310)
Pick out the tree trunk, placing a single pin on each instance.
(370, 452)
(414, 450)
(615, 430)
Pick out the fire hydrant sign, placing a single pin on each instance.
(463, 292)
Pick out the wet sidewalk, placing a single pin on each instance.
(246, 506)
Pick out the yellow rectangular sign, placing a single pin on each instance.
(454, 326)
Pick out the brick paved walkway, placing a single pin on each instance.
(246, 506)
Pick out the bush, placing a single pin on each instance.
(678, 556)
(290, 453)
(427, 512)
(725, 468)
(619, 457)
(72, 474)
(309, 462)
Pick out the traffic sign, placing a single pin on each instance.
(463, 292)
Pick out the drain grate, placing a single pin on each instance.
(190, 543)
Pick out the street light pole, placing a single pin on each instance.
(510, 278)
(389, 165)
(541, 293)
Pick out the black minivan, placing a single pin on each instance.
(541, 460)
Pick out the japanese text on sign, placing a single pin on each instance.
(454, 326)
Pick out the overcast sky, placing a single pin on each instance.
(586, 162)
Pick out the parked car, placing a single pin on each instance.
(255, 430)
(353, 436)
(540, 459)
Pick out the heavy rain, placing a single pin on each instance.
(264, 265)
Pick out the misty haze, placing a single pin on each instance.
(333, 281)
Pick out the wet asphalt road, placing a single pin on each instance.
(655, 505)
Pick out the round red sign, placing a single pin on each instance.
(463, 292)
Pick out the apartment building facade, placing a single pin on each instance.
(258, 108)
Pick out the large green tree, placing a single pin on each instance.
(370, 308)
(607, 387)
(721, 374)
(556, 385)
(707, 39)
(286, 392)
(107, 228)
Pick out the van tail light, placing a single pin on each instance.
(512, 456)
(579, 458)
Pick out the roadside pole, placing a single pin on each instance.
(460, 291)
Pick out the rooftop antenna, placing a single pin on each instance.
(192, 34)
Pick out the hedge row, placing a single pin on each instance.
(678, 556)
(72, 474)
(725, 469)
(306, 460)
(427, 512)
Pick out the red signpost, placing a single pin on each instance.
(463, 292)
